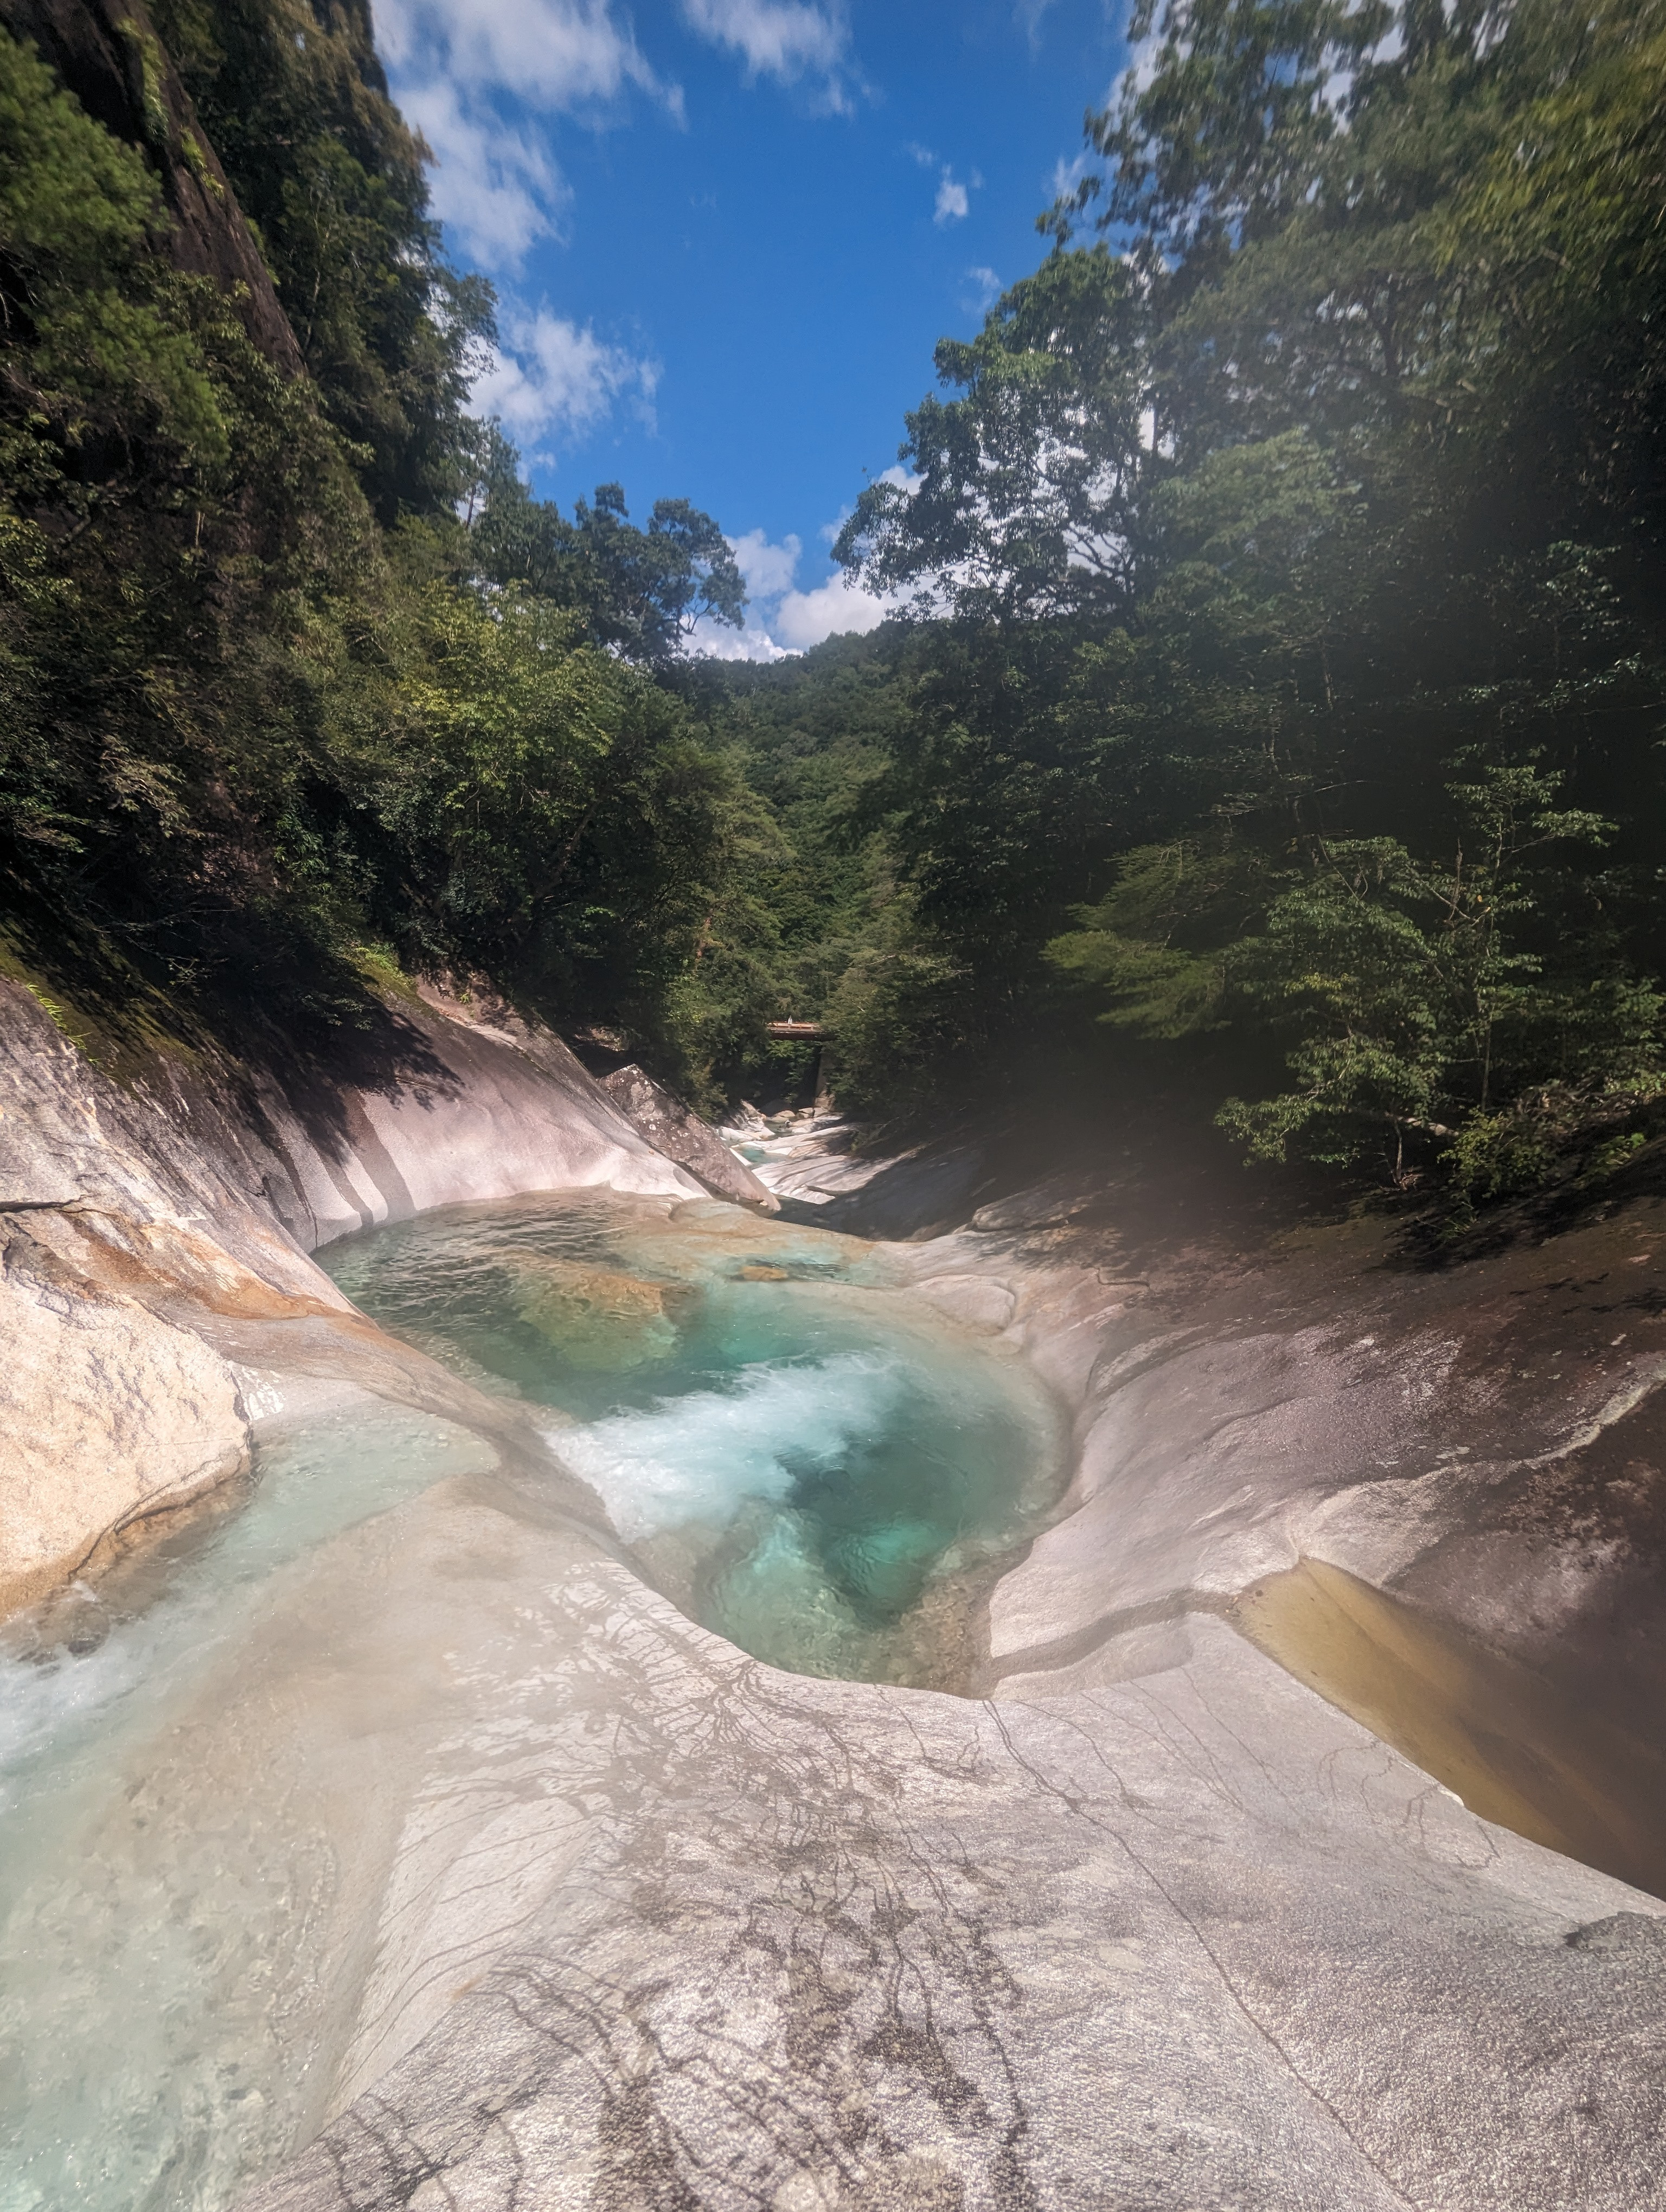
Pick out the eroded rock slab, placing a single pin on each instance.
(111, 1413)
(157, 1234)
(666, 1928)
(677, 1131)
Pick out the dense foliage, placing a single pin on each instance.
(293, 102)
(272, 711)
(1277, 694)
(1299, 545)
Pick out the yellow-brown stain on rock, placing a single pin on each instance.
(1517, 1749)
(594, 1317)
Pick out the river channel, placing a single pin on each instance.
(803, 1455)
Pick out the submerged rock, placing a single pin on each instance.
(596, 1317)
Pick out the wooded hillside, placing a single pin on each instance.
(1274, 708)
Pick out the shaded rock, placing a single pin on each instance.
(677, 1131)
(820, 1177)
(1060, 1197)
(110, 57)
(973, 1299)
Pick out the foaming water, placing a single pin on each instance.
(804, 1453)
(704, 1456)
(806, 1458)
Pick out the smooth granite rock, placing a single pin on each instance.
(156, 1232)
(597, 1912)
(677, 1131)
(664, 1928)
(112, 1413)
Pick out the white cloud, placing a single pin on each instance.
(552, 53)
(922, 155)
(781, 620)
(805, 618)
(1029, 13)
(716, 641)
(769, 570)
(787, 40)
(986, 289)
(1067, 175)
(496, 190)
(953, 202)
(451, 61)
(557, 380)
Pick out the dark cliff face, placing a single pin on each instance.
(108, 55)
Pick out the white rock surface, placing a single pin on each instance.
(664, 1928)
(141, 1222)
(111, 1414)
(975, 1300)
(585, 1909)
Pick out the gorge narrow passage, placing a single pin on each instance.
(802, 1454)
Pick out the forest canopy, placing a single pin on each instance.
(1298, 527)
(298, 681)
(1274, 709)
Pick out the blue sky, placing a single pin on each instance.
(726, 233)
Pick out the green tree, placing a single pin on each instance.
(1425, 995)
(1365, 482)
(1022, 498)
(295, 103)
(640, 592)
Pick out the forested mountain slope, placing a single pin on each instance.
(1272, 712)
(1297, 546)
(274, 721)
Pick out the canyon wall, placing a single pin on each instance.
(155, 1272)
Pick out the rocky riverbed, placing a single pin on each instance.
(1156, 1915)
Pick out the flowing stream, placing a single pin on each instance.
(805, 1457)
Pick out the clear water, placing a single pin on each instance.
(148, 1902)
(800, 1450)
(805, 1456)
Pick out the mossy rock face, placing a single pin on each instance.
(598, 1318)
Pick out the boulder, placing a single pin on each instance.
(677, 1131)
(113, 1415)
